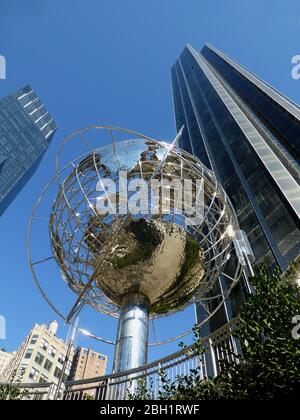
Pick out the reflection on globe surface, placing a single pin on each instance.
(154, 258)
(104, 257)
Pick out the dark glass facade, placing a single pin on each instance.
(250, 140)
(26, 129)
(249, 135)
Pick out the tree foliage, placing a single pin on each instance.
(11, 390)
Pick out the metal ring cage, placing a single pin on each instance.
(73, 217)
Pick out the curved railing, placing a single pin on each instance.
(218, 346)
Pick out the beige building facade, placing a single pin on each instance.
(40, 359)
(87, 364)
(5, 358)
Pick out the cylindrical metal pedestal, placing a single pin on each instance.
(132, 337)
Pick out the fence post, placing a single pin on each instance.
(159, 379)
(213, 358)
(49, 391)
(107, 393)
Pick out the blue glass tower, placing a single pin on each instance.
(249, 135)
(26, 129)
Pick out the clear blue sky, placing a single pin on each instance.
(96, 61)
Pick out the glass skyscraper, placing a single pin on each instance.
(26, 129)
(249, 135)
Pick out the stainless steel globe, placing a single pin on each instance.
(143, 263)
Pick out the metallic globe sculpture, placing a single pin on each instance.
(139, 229)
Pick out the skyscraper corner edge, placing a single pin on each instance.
(26, 131)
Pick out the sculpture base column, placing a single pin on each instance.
(132, 337)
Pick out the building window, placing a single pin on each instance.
(48, 365)
(22, 370)
(43, 379)
(39, 358)
(28, 354)
(57, 373)
(61, 359)
(34, 374)
(34, 339)
(52, 351)
(44, 344)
